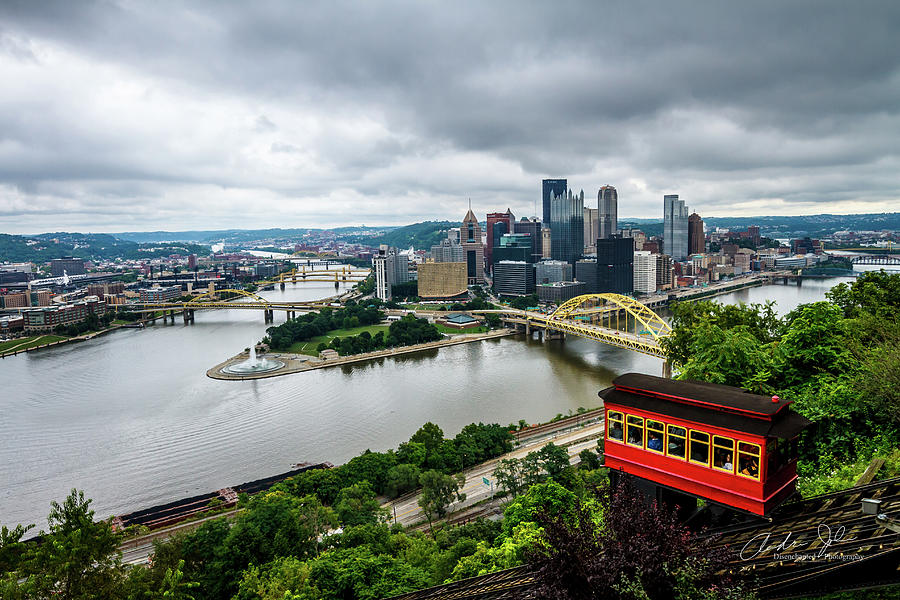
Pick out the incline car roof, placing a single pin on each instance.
(700, 393)
(786, 424)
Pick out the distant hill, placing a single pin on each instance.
(239, 235)
(785, 227)
(811, 225)
(91, 246)
(418, 235)
(648, 226)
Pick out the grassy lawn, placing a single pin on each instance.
(424, 306)
(29, 342)
(453, 331)
(309, 347)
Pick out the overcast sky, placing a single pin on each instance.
(182, 115)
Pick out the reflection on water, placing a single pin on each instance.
(132, 419)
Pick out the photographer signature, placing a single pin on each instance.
(764, 542)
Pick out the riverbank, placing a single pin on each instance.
(300, 363)
(26, 346)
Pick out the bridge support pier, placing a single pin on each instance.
(269, 316)
(282, 286)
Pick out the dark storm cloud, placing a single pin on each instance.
(376, 110)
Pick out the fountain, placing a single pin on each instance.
(253, 365)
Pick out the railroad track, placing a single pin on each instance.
(820, 544)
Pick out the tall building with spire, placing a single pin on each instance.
(473, 249)
(567, 226)
(607, 207)
(675, 227)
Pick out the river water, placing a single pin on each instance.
(132, 419)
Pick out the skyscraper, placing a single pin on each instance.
(545, 242)
(533, 228)
(473, 250)
(506, 218)
(390, 268)
(550, 188)
(615, 265)
(567, 226)
(696, 239)
(607, 206)
(644, 272)
(675, 227)
(591, 231)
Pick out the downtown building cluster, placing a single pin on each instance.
(575, 249)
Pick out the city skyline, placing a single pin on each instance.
(136, 117)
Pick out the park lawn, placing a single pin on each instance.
(309, 347)
(424, 306)
(29, 342)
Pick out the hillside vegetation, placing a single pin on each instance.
(90, 246)
(418, 235)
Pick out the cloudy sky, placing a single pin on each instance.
(125, 115)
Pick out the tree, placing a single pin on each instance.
(874, 292)
(550, 497)
(78, 558)
(523, 302)
(284, 578)
(401, 479)
(508, 474)
(589, 460)
(11, 547)
(360, 573)
(174, 587)
(554, 459)
(431, 437)
(760, 320)
(315, 518)
(640, 551)
(730, 357)
(357, 505)
(438, 492)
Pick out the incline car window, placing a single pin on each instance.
(699, 447)
(655, 436)
(635, 430)
(676, 443)
(748, 460)
(723, 453)
(614, 426)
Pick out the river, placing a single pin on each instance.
(132, 419)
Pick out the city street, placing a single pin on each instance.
(408, 512)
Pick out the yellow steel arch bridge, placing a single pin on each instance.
(609, 318)
(344, 274)
(212, 300)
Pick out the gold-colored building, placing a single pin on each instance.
(442, 280)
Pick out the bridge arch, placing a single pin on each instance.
(238, 292)
(608, 302)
